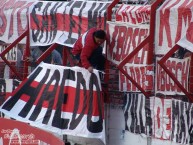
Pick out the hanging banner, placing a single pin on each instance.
(134, 14)
(180, 69)
(187, 41)
(123, 39)
(181, 121)
(63, 100)
(19, 133)
(137, 112)
(161, 117)
(64, 22)
(172, 21)
(144, 76)
(13, 19)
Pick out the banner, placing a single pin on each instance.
(180, 69)
(160, 117)
(187, 41)
(7, 86)
(137, 112)
(144, 76)
(64, 100)
(134, 14)
(123, 39)
(181, 121)
(64, 22)
(172, 21)
(13, 19)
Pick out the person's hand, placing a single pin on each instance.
(28, 59)
(90, 69)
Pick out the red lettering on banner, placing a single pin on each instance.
(185, 70)
(112, 43)
(168, 113)
(170, 85)
(164, 16)
(3, 18)
(142, 75)
(180, 69)
(127, 39)
(19, 20)
(139, 13)
(125, 16)
(183, 17)
(162, 118)
(121, 42)
(189, 35)
(127, 45)
(133, 75)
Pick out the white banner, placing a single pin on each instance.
(64, 22)
(172, 21)
(123, 39)
(134, 14)
(180, 69)
(64, 100)
(13, 19)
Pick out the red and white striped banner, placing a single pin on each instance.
(123, 39)
(64, 100)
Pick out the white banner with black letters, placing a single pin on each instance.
(64, 100)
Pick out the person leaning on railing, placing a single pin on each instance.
(87, 50)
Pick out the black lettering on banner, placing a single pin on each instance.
(2, 90)
(182, 134)
(80, 19)
(175, 118)
(26, 90)
(45, 22)
(57, 120)
(135, 109)
(54, 24)
(47, 96)
(127, 106)
(76, 120)
(148, 116)
(35, 33)
(15, 84)
(134, 127)
(73, 23)
(141, 127)
(94, 127)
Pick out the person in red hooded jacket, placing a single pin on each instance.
(87, 49)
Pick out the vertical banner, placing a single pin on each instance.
(162, 118)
